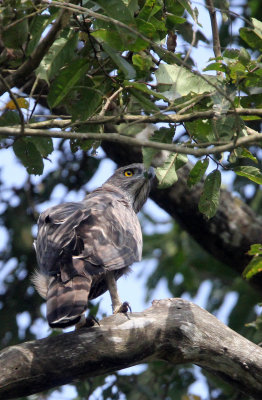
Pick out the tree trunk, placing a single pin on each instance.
(173, 330)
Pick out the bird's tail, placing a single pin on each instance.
(67, 301)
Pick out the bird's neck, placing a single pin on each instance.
(123, 195)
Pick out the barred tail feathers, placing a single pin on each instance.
(66, 301)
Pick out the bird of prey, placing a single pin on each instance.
(82, 248)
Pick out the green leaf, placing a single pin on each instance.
(244, 56)
(175, 20)
(209, 199)
(197, 172)
(252, 173)
(164, 135)
(117, 9)
(148, 155)
(30, 157)
(253, 36)
(146, 103)
(255, 249)
(182, 82)
(112, 38)
(128, 70)
(9, 118)
(88, 100)
(65, 81)
(166, 174)
(44, 68)
(254, 267)
(142, 62)
(44, 145)
(149, 9)
(187, 6)
(231, 54)
(242, 152)
(143, 88)
(63, 54)
(16, 35)
(36, 28)
(201, 130)
(146, 28)
(216, 67)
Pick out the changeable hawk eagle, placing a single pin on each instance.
(82, 248)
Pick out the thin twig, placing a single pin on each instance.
(215, 32)
(130, 141)
(158, 117)
(109, 100)
(5, 28)
(21, 116)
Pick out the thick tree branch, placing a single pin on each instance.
(173, 330)
(130, 141)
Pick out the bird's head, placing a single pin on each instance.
(136, 181)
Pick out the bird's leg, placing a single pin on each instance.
(117, 305)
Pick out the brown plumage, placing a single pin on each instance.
(82, 248)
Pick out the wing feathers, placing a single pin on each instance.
(76, 244)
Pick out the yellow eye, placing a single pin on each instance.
(128, 173)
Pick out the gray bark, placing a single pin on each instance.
(173, 330)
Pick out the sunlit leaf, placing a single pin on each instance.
(166, 174)
(254, 267)
(252, 173)
(175, 81)
(255, 249)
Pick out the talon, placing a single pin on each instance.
(90, 321)
(123, 308)
(86, 322)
